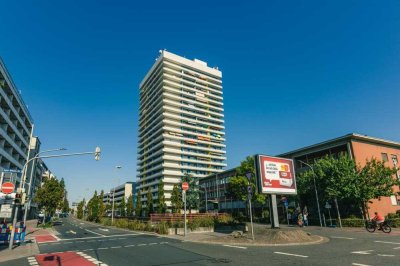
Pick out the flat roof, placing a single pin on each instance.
(351, 136)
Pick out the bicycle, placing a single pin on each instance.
(371, 226)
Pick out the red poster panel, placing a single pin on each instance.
(276, 175)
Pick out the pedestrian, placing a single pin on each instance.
(300, 220)
(305, 219)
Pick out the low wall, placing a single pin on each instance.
(181, 231)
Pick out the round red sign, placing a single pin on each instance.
(185, 186)
(7, 188)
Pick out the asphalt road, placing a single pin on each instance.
(120, 247)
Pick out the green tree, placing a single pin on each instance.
(80, 207)
(374, 180)
(341, 179)
(238, 185)
(122, 207)
(102, 207)
(149, 204)
(162, 206)
(138, 207)
(50, 196)
(93, 208)
(193, 192)
(65, 207)
(129, 206)
(176, 199)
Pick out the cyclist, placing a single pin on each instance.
(378, 219)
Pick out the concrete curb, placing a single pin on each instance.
(321, 240)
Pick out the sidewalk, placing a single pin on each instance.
(29, 247)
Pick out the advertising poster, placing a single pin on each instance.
(276, 175)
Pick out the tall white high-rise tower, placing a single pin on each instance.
(181, 123)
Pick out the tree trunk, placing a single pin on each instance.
(338, 213)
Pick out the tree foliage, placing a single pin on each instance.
(176, 199)
(162, 206)
(50, 195)
(193, 192)
(138, 207)
(129, 206)
(238, 185)
(341, 178)
(149, 204)
(80, 209)
(122, 207)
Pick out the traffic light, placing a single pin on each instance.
(97, 153)
(18, 197)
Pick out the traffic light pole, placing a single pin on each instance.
(97, 157)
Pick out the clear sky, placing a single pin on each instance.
(294, 72)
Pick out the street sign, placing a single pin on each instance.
(185, 186)
(5, 211)
(7, 188)
(11, 171)
(328, 206)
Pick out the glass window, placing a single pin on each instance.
(394, 159)
(384, 157)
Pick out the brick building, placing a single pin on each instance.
(359, 148)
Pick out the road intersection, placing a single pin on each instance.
(102, 245)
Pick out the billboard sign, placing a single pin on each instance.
(275, 175)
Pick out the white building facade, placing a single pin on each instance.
(181, 123)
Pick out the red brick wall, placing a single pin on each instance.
(362, 152)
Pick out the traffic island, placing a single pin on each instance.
(263, 236)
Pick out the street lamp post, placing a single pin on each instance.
(249, 190)
(29, 194)
(315, 189)
(112, 210)
(97, 157)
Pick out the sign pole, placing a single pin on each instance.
(251, 218)
(184, 210)
(275, 217)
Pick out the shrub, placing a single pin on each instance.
(105, 221)
(353, 222)
(224, 219)
(162, 228)
(121, 223)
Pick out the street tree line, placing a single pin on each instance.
(51, 196)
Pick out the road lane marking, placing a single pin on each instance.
(142, 245)
(386, 242)
(152, 244)
(385, 255)
(235, 247)
(342, 237)
(117, 247)
(91, 241)
(128, 246)
(365, 252)
(81, 223)
(102, 248)
(397, 248)
(92, 237)
(290, 254)
(359, 264)
(103, 229)
(163, 242)
(72, 232)
(94, 232)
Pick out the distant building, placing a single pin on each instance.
(15, 126)
(181, 123)
(215, 196)
(122, 192)
(359, 148)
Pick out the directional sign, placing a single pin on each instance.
(7, 188)
(6, 211)
(185, 186)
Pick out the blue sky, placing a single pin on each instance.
(294, 73)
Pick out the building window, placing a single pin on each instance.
(394, 160)
(384, 157)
